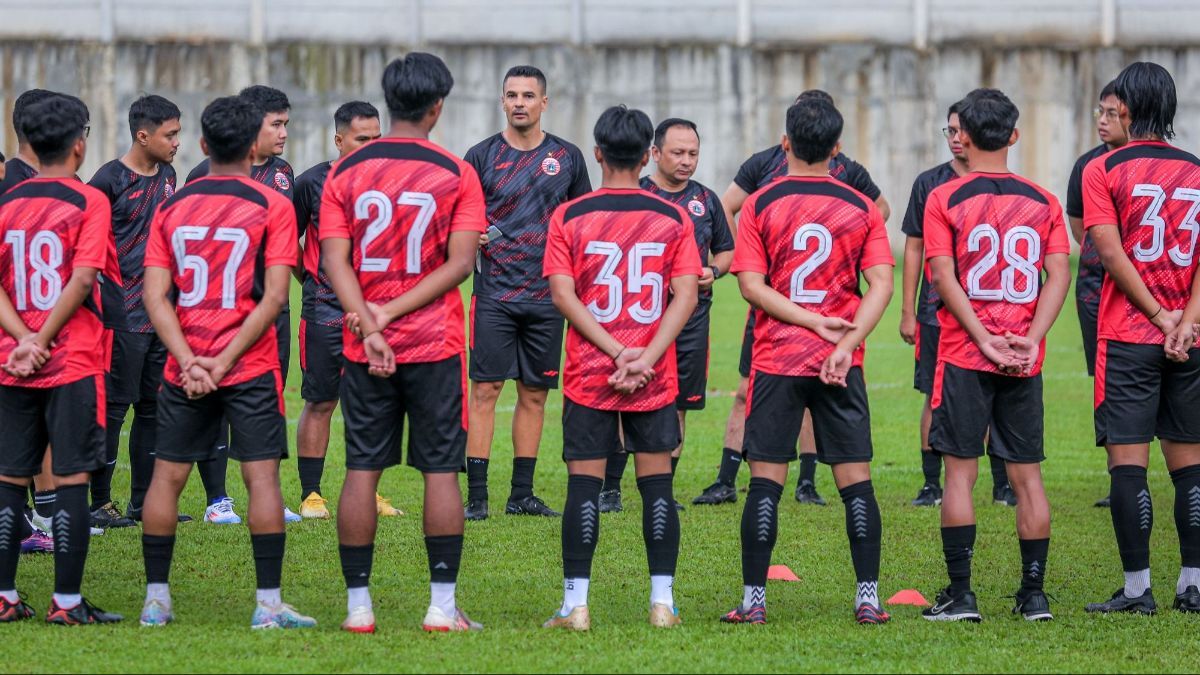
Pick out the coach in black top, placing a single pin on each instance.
(516, 333)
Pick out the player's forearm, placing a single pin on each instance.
(761, 296)
(576, 314)
(262, 318)
(955, 299)
(163, 317)
(880, 288)
(336, 261)
(83, 279)
(914, 254)
(1118, 266)
(448, 276)
(1191, 313)
(723, 261)
(1076, 229)
(10, 320)
(679, 310)
(1052, 296)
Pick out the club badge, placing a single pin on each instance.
(550, 166)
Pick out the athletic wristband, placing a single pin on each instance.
(717, 274)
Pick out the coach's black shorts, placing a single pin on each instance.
(691, 361)
(138, 360)
(841, 418)
(1141, 394)
(71, 417)
(589, 433)
(431, 395)
(188, 429)
(1089, 312)
(967, 403)
(747, 346)
(320, 361)
(516, 341)
(927, 351)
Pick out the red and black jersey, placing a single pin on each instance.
(16, 171)
(811, 237)
(218, 235)
(913, 225)
(275, 173)
(622, 248)
(50, 227)
(398, 200)
(708, 220)
(522, 189)
(134, 199)
(321, 305)
(998, 228)
(1151, 191)
(767, 165)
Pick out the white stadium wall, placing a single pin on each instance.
(731, 65)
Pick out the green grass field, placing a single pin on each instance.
(511, 581)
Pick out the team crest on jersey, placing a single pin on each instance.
(550, 166)
(696, 207)
(282, 182)
(168, 190)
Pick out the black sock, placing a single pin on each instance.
(477, 469)
(931, 466)
(1132, 515)
(614, 470)
(356, 564)
(310, 469)
(760, 527)
(674, 465)
(999, 471)
(268, 559)
(43, 503)
(808, 469)
(212, 472)
(157, 552)
(958, 545)
(1187, 513)
(660, 523)
(72, 535)
(581, 525)
(731, 461)
(12, 504)
(864, 528)
(445, 555)
(101, 482)
(143, 435)
(522, 477)
(1033, 563)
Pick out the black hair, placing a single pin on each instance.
(527, 71)
(623, 136)
(1109, 89)
(230, 126)
(52, 125)
(820, 94)
(348, 112)
(150, 112)
(660, 132)
(989, 118)
(269, 99)
(412, 85)
(954, 109)
(21, 105)
(1148, 91)
(814, 126)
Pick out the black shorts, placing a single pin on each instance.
(71, 417)
(1141, 394)
(927, 351)
(320, 361)
(432, 396)
(841, 418)
(283, 342)
(188, 429)
(1088, 315)
(967, 403)
(691, 362)
(515, 341)
(747, 346)
(589, 433)
(138, 360)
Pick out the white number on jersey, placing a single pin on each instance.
(1015, 264)
(1151, 251)
(240, 243)
(45, 254)
(638, 280)
(800, 294)
(382, 205)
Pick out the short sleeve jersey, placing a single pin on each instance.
(769, 164)
(275, 173)
(708, 221)
(50, 228)
(914, 226)
(812, 238)
(398, 200)
(16, 171)
(622, 248)
(321, 305)
(998, 229)
(217, 236)
(522, 189)
(134, 199)
(1090, 279)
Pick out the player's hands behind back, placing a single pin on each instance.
(632, 372)
(27, 358)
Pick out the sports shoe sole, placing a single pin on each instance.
(972, 617)
(1039, 616)
(361, 629)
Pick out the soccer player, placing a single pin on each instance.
(989, 236)
(919, 327)
(1090, 278)
(270, 169)
(56, 240)
(1139, 208)
(755, 173)
(135, 185)
(516, 333)
(218, 262)
(624, 271)
(355, 124)
(24, 165)
(400, 224)
(803, 243)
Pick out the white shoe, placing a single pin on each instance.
(437, 621)
(46, 524)
(222, 513)
(96, 532)
(290, 517)
(360, 620)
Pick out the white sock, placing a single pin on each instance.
(1137, 583)
(269, 597)
(1188, 576)
(660, 590)
(67, 600)
(441, 595)
(10, 596)
(754, 596)
(159, 592)
(867, 592)
(358, 597)
(575, 594)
